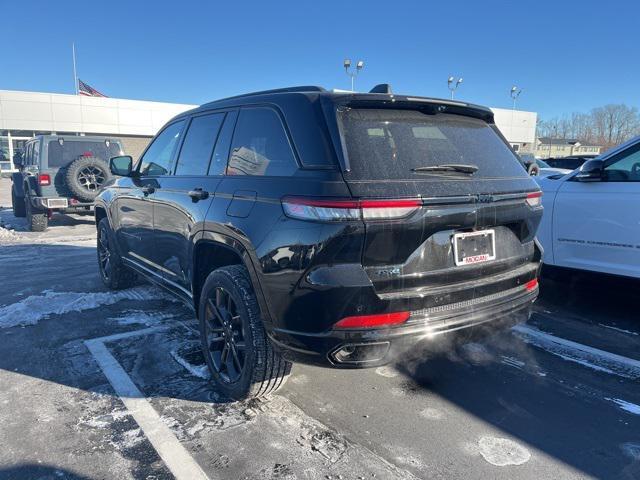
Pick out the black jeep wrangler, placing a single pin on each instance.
(330, 228)
(60, 173)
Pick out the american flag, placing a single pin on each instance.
(84, 89)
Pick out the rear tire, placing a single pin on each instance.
(114, 274)
(19, 208)
(37, 220)
(238, 325)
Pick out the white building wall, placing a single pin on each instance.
(54, 112)
(517, 126)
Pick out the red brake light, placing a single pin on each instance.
(44, 179)
(369, 321)
(531, 284)
(339, 209)
(534, 199)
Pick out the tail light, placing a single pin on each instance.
(369, 321)
(534, 199)
(44, 179)
(340, 210)
(531, 285)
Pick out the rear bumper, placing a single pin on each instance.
(59, 204)
(378, 346)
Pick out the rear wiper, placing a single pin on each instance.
(449, 167)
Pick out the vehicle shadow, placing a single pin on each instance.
(39, 471)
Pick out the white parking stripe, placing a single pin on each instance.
(181, 464)
(583, 354)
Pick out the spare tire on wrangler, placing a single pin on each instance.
(85, 176)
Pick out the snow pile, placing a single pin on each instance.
(7, 235)
(36, 307)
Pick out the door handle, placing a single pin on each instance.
(198, 194)
(147, 189)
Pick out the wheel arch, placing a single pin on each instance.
(211, 252)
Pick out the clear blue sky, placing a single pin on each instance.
(566, 55)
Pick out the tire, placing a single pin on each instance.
(19, 208)
(85, 176)
(114, 274)
(263, 370)
(37, 220)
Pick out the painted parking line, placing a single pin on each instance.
(181, 464)
(590, 357)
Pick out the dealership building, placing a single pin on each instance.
(26, 114)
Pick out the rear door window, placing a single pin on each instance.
(62, 152)
(260, 145)
(197, 148)
(388, 144)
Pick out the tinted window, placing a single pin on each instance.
(385, 144)
(260, 145)
(198, 144)
(36, 153)
(158, 158)
(625, 168)
(221, 152)
(61, 155)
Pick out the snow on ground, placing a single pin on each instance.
(36, 307)
(584, 355)
(626, 406)
(134, 317)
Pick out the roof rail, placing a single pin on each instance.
(303, 88)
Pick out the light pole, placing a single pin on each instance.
(352, 73)
(452, 84)
(515, 93)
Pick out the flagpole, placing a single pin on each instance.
(75, 75)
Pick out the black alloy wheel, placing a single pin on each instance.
(225, 336)
(104, 254)
(91, 178)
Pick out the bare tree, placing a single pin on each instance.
(607, 126)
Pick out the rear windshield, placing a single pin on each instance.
(387, 143)
(61, 155)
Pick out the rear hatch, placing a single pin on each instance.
(472, 232)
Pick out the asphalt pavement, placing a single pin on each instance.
(100, 385)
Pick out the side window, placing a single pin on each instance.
(158, 158)
(221, 152)
(626, 168)
(260, 145)
(27, 154)
(35, 156)
(198, 144)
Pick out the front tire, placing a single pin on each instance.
(240, 356)
(115, 275)
(17, 203)
(37, 220)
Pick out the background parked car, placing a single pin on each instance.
(591, 217)
(570, 163)
(60, 173)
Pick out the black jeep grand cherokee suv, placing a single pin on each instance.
(324, 227)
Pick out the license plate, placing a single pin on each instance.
(474, 247)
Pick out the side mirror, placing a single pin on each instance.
(121, 166)
(590, 171)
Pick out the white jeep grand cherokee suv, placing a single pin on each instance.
(591, 216)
